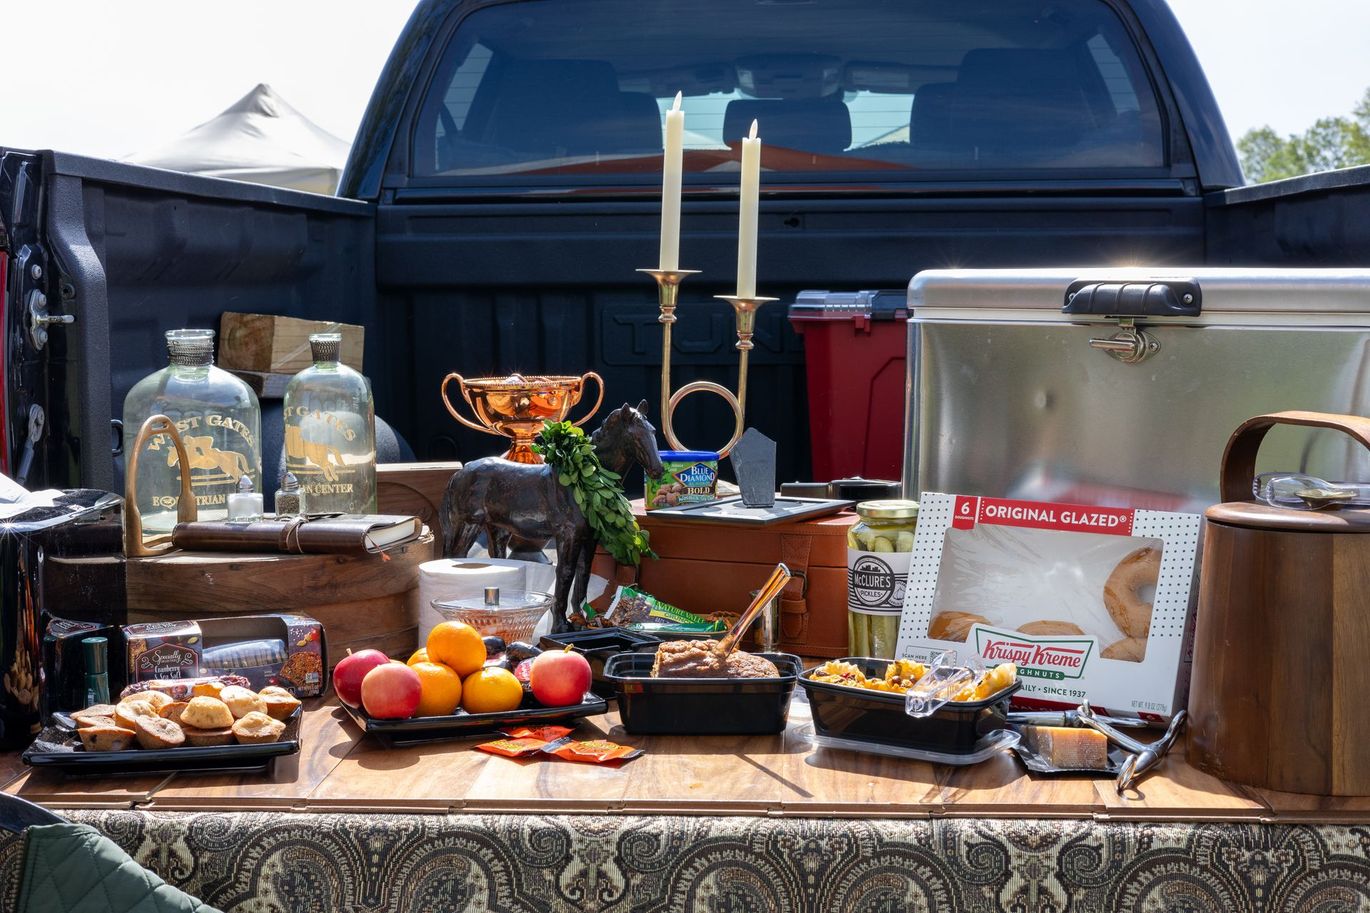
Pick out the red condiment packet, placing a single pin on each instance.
(545, 733)
(514, 748)
(592, 751)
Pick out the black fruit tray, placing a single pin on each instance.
(58, 747)
(847, 712)
(422, 729)
(598, 645)
(701, 706)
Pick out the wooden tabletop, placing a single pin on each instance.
(340, 769)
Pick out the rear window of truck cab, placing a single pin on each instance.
(580, 87)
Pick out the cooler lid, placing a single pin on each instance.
(1338, 293)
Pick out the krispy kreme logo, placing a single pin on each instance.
(1052, 658)
(1077, 518)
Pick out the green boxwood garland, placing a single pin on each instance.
(597, 491)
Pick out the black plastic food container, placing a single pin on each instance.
(845, 712)
(599, 645)
(701, 706)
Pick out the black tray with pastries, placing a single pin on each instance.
(58, 747)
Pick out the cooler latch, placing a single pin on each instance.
(1129, 345)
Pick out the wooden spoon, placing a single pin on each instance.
(728, 643)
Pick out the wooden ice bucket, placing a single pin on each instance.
(1281, 674)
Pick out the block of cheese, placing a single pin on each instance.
(1070, 748)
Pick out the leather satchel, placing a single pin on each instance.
(358, 534)
(705, 568)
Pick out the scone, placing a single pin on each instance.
(204, 737)
(130, 709)
(106, 738)
(157, 699)
(93, 713)
(206, 713)
(280, 703)
(257, 728)
(242, 701)
(155, 732)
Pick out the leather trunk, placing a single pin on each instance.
(711, 567)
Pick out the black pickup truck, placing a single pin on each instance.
(505, 183)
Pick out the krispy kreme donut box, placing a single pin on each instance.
(1092, 603)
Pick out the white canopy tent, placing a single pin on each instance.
(261, 139)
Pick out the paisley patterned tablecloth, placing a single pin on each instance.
(310, 863)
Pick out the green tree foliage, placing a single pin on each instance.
(1332, 142)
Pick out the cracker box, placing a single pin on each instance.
(285, 650)
(1092, 603)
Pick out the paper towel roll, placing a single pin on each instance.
(449, 579)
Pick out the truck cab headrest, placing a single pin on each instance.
(821, 125)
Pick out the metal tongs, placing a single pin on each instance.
(1143, 756)
(728, 642)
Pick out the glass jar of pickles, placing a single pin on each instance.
(879, 549)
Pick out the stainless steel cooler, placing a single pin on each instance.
(1120, 387)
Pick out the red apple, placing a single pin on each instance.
(391, 691)
(559, 678)
(349, 672)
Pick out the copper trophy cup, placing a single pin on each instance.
(516, 406)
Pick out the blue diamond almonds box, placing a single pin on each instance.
(1092, 603)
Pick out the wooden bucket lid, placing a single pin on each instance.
(1239, 469)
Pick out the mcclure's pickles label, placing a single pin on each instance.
(876, 581)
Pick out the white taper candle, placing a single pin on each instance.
(747, 212)
(671, 168)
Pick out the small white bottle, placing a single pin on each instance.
(246, 504)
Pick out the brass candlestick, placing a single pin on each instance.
(668, 293)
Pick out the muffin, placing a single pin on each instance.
(155, 732)
(106, 738)
(206, 713)
(130, 709)
(280, 703)
(157, 699)
(200, 738)
(257, 728)
(93, 713)
(242, 701)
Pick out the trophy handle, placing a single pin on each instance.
(461, 385)
(595, 408)
(134, 546)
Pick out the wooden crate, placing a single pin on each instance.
(415, 489)
(369, 601)
(268, 344)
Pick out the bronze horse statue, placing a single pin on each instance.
(505, 499)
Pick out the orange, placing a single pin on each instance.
(492, 690)
(439, 689)
(458, 645)
(420, 656)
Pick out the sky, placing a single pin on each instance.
(114, 78)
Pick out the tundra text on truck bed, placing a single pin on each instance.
(505, 183)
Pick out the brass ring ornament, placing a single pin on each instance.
(134, 546)
(744, 312)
